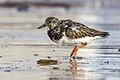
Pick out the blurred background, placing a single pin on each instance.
(19, 19)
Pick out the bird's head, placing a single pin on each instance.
(50, 22)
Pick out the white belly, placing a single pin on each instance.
(66, 40)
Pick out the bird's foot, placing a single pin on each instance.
(72, 57)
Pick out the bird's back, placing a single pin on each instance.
(75, 33)
(78, 30)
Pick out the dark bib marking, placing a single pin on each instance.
(55, 34)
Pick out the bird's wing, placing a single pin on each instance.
(78, 30)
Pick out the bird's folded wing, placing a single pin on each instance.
(79, 30)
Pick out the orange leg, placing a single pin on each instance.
(76, 49)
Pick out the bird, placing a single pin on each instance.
(70, 32)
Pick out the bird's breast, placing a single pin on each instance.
(55, 37)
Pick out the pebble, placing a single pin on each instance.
(79, 58)
(55, 68)
(53, 50)
(21, 61)
(54, 78)
(47, 62)
(118, 49)
(106, 62)
(7, 70)
(0, 56)
(49, 57)
(35, 54)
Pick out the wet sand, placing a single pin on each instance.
(20, 62)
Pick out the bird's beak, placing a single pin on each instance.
(42, 26)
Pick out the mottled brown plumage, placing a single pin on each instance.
(78, 30)
(70, 32)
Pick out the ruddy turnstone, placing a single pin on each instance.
(70, 32)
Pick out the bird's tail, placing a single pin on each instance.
(103, 34)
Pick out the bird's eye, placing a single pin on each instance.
(49, 21)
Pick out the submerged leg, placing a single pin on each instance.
(73, 54)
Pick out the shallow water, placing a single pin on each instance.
(20, 62)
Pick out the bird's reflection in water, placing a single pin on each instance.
(75, 72)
